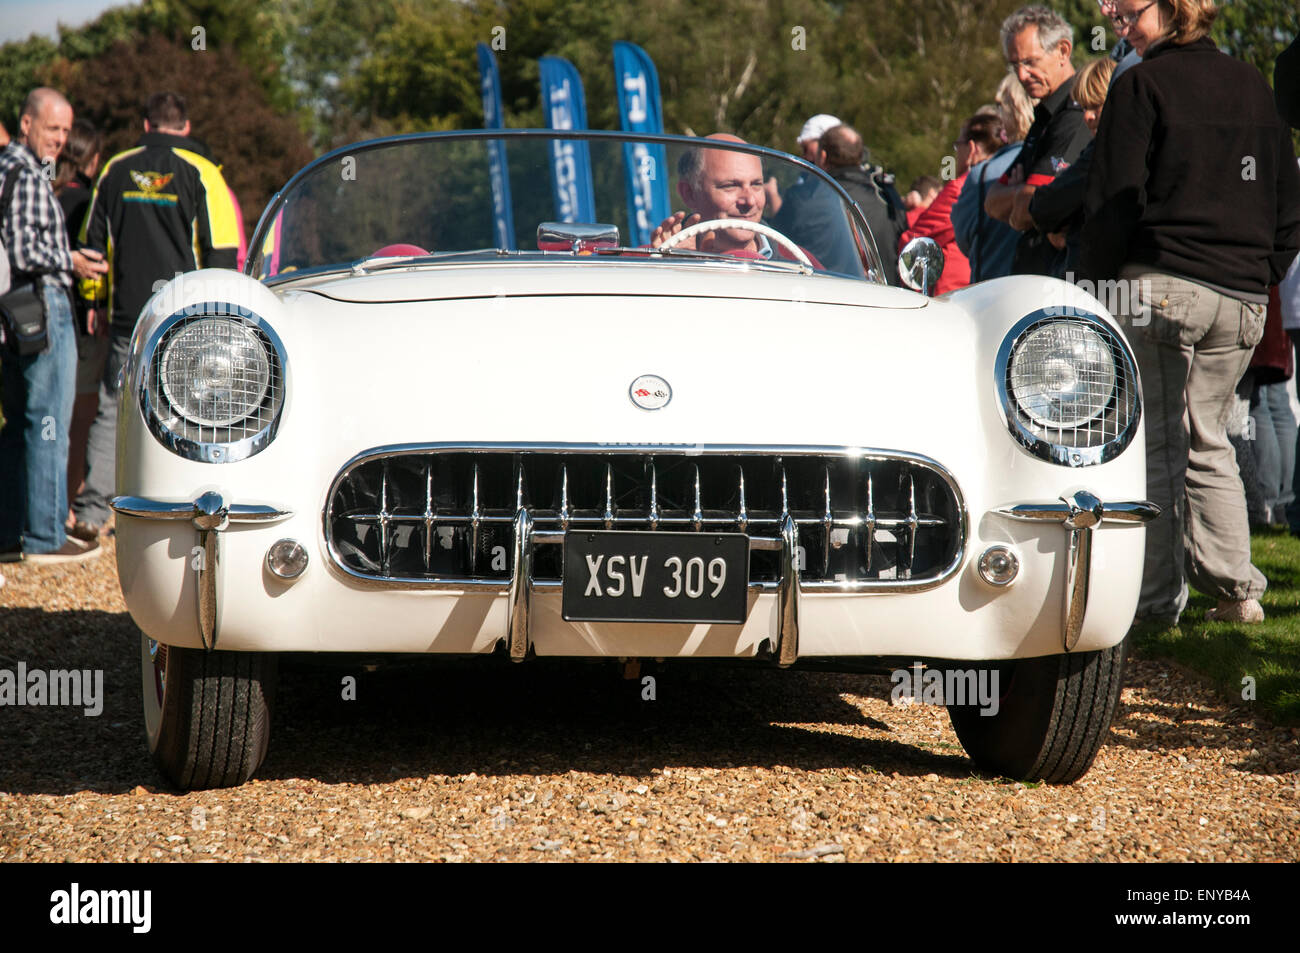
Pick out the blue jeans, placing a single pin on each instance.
(1274, 448)
(38, 391)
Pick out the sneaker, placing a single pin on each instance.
(85, 532)
(11, 554)
(1230, 610)
(72, 551)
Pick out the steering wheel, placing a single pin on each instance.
(691, 231)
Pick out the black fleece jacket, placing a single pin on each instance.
(1192, 174)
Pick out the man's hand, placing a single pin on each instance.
(1001, 199)
(1057, 239)
(1020, 219)
(93, 324)
(671, 226)
(88, 263)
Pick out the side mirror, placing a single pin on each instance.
(920, 264)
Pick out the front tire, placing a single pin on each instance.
(207, 714)
(1053, 716)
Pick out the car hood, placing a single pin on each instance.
(721, 279)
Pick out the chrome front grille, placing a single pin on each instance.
(445, 515)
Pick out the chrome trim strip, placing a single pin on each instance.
(145, 508)
(197, 450)
(1080, 513)
(609, 518)
(1036, 445)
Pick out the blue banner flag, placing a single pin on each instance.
(494, 118)
(639, 110)
(565, 108)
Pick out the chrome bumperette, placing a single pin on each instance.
(1102, 439)
(153, 406)
(210, 516)
(1080, 513)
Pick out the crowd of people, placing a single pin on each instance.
(85, 248)
(1164, 171)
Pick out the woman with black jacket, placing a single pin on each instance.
(1193, 203)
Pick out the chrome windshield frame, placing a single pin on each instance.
(278, 200)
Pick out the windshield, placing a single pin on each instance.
(525, 194)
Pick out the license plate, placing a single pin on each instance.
(613, 576)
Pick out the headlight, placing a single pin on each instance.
(1062, 375)
(1069, 388)
(215, 372)
(214, 384)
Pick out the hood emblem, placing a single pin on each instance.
(650, 392)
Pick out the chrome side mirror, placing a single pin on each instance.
(920, 264)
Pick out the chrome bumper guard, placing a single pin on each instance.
(1079, 513)
(210, 516)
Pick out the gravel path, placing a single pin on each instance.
(547, 761)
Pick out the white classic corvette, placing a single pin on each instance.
(406, 429)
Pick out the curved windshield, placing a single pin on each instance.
(524, 194)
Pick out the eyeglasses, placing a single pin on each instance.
(1126, 20)
(1032, 62)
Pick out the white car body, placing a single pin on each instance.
(528, 357)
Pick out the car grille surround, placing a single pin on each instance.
(444, 515)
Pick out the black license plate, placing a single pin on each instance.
(613, 576)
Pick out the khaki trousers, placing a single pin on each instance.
(1192, 345)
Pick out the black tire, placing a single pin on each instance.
(1054, 714)
(207, 714)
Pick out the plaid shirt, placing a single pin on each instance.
(33, 231)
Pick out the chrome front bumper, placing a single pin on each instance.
(1079, 513)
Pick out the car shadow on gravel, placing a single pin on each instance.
(430, 717)
(548, 717)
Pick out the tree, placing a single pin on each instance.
(257, 147)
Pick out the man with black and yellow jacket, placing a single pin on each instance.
(159, 209)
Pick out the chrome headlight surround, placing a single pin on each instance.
(1113, 403)
(231, 436)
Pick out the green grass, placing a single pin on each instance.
(1226, 653)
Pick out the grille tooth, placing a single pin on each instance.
(870, 516)
(653, 517)
(742, 515)
(475, 519)
(564, 498)
(697, 515)
(609, 496)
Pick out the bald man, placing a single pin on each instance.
(717, 183)
(37, 388)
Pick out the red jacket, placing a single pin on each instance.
(936, 222)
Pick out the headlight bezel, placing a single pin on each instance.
(1095, 440)
(178, 432)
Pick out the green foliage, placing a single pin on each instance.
(347, 69)
(23, 65)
